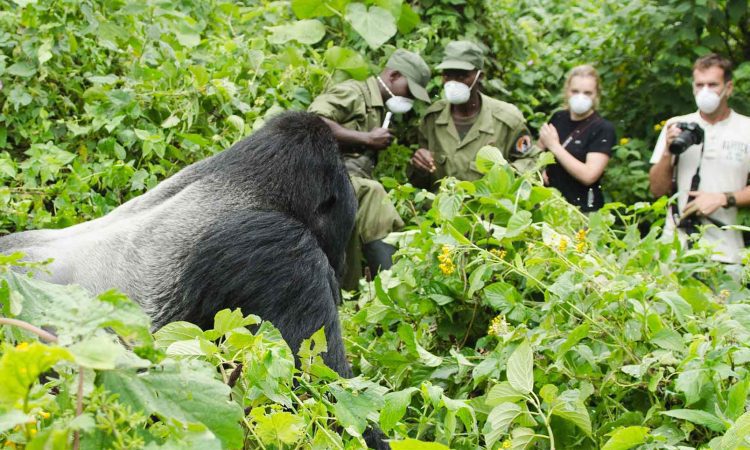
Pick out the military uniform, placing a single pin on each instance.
(453, 146)
(498, 123)
(358, 105)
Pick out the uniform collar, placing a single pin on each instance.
(375, 98)
(484, 122)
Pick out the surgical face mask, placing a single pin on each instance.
(707, 100)
(396, 103)
(580, 103)
(457, 93)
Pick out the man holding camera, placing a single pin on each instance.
(705, 157)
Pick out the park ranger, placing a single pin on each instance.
(455, 128)
(357, 112)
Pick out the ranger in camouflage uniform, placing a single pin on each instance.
(355, 111)
(454, 129)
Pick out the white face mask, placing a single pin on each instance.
(580, 103)
(457, 93)
(707, 100)
(396, 103)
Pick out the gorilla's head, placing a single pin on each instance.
(296, 168)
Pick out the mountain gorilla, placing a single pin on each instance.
(261, 226)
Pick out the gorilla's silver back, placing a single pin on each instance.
(116, 250)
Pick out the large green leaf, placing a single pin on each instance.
(347, 60)
(690, 382)
(99, 352)
(21, 366)
(626, 438)
(408, 20)
(737, 436)
(280, 427)
(306, 9)
(73, 313)
(415, 444)
(518, 223)
(498, 421)
(520, 368)
(352, 409)
(375, 25)
(395, 407)
(487, 157)
(503, 392)
(570, 406)
(302, 31)
(698, 417)
(183, 391)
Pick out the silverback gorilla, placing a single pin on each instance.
(261, 226)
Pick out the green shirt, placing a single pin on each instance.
(356, 105)
(499, 124)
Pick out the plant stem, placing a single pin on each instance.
(47, 336)
(79, 407)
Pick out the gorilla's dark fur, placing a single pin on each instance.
(261, 226)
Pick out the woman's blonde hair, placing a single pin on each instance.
(584, 70)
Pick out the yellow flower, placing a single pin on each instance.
(498, 326)
(581, 234)
(447, 267)
(624, 141)
(446, 263)
(33, 431)
(507, 443)
(22, 346)
(499, 253)
(563, 244)
(663, 122)
(658, 127)
(44, 415)
(581, 246)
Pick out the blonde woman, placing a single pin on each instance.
(581, 141)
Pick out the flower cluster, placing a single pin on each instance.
(624, 141)
(446, 263)
(498, 252)
(498, 326)
(660, 125)
(581, 239)
(507, 443)
(563, 245)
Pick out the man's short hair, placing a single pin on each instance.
(715, 60)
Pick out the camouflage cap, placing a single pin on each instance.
(416, 71)
(462, 55)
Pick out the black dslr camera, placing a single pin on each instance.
(691, 134)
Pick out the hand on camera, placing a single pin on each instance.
(379, 138)
(672, 132)
(704, 203)
(423, 160)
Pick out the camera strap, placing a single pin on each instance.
(689, 224)
(583, 126)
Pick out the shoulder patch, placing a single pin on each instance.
(523, 144)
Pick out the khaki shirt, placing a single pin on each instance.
(498, 123)
(356, 105)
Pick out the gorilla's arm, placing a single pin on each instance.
(265, 263)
